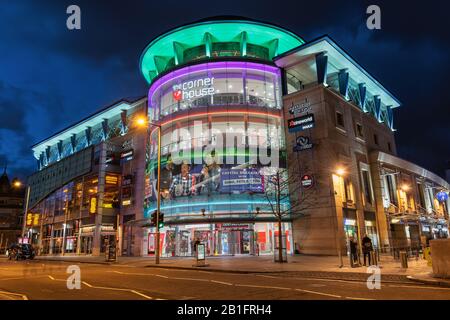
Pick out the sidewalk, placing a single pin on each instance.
(299, 265)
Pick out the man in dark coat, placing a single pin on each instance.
(353, 250)
(367, 248)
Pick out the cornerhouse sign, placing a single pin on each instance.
(301, 123)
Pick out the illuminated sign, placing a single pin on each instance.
(442, 196)
(241, 180)
(127, 155)
(307, 181)
(126, 202)
(29, 219)
(93, 205)
(193, 89)
(303, 143)
(36, 220)
(300, 108)
(301, 123)
(200, 251)
(111, 179)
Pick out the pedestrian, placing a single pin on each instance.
(367, 248)
(353, 250)
(196, 243)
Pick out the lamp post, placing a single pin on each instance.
(27, 201)
(143, 122)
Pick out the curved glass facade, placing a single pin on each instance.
(221, 128)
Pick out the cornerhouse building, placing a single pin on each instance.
(309, 102)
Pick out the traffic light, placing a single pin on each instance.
(161, 220)
(153, 218)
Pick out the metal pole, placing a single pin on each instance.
(158, 201)
(63, 251)
(25, 213)
(117, 237)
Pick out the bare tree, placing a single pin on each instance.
(287, 197)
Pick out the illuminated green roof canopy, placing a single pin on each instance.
(216, 38)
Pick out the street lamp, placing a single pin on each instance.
(405, 187)
(17, 184)
(143, 122)
(340, 171)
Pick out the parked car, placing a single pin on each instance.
(20, 251)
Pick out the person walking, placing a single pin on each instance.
(367, 248)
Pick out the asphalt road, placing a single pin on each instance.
(30, 280)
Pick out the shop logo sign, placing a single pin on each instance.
(300, 108)
(178, 95)
(303, 143)
(301, 123)
(307, 181)
(193, 89)
(442, 196)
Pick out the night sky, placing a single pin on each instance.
(51, 77)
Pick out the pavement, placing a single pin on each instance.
(304, 265)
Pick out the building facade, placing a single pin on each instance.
(89, 183)
(11, 210)
(241, 107)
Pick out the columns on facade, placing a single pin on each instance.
(105, 129)
(343, 78)
(382, 220)
(377, 103)
(362, 96)
(88, 134)
(99, 212)
(321, 68)
(73, 142)
(59, 147)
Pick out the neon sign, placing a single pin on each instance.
(193, 89)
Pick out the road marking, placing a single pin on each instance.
(319, 293)
(118, 289)
(353, 298)
(417, 287)
(24, 297)
(142, 295)
(190, 279)
(264, 287)
(222, 282)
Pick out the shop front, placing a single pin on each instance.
(220, 239)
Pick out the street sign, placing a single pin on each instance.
(307, 181)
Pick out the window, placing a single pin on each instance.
(359, 130)
(340, 119)
(421, 195)
(389, 147)
(366, 186)
(391, 189)
(375, 139)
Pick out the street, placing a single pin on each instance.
(47, 280)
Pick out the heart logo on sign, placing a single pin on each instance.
(177, 95)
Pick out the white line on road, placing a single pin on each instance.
(24, 297)
(319, 293)
(264, 287)
(222, 282)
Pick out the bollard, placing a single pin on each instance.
(373, 258)
(404, 259)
